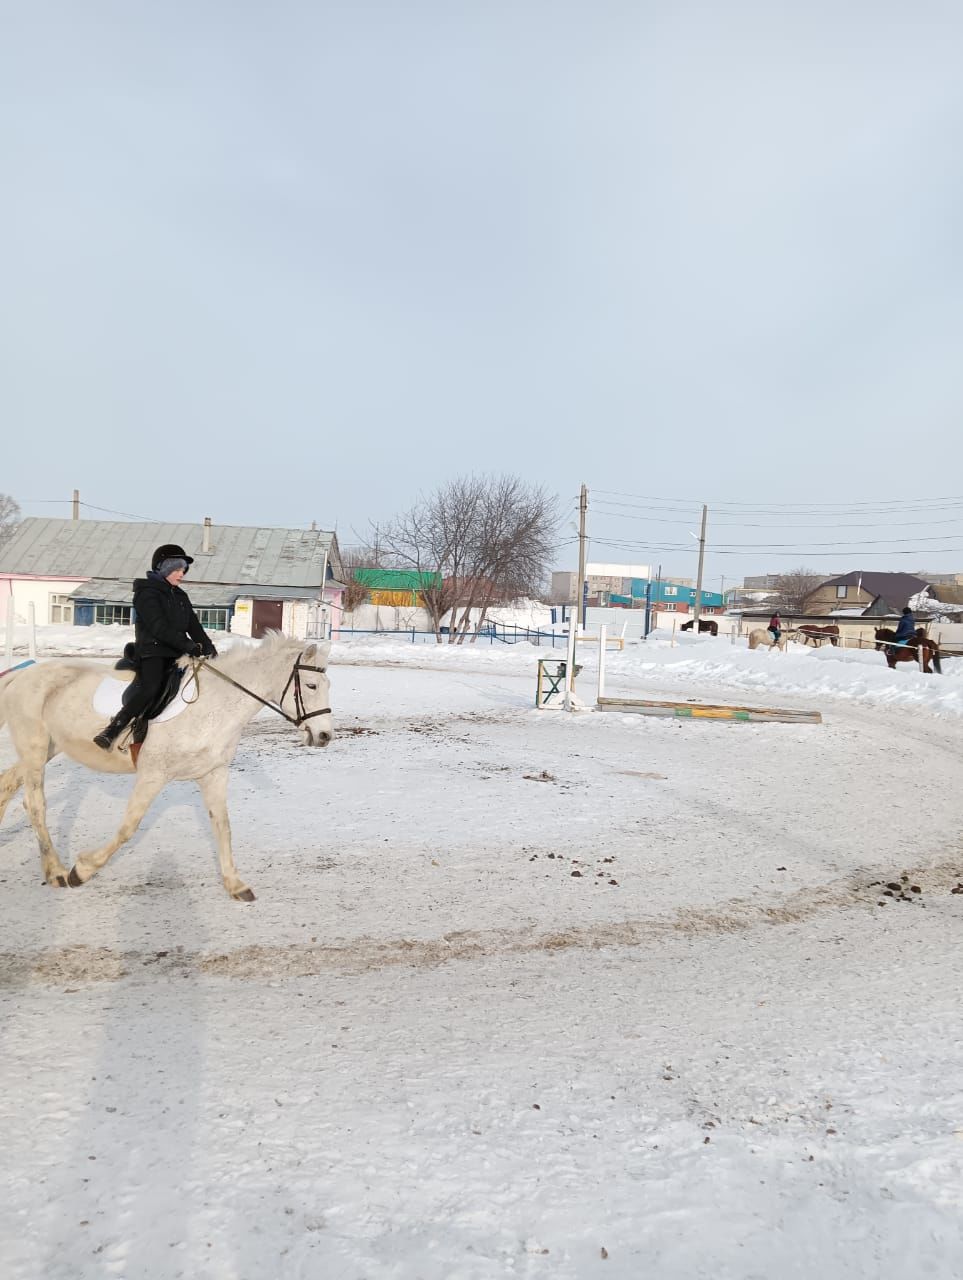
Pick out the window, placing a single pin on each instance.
(108, 614)
(669, 608)
(62, 609)
(212, 619)
(841, 592)
(671, 591)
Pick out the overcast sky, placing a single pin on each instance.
(276, 262)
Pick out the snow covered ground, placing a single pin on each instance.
(523, 994)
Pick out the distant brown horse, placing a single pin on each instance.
(705, 624)
(910, 650)
(818, 634)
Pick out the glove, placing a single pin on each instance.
(209, 651)
(196, 650)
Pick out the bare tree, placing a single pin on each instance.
(475, 540)
(791, 589)
(515, 535)
(435, 539)
(9, 516)
(355, 592)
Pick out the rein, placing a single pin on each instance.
(295, 675)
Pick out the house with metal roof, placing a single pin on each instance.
(244, 579)
(396, 586)
(864, 593)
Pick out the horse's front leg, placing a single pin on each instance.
(54, 871)
(146, 788)
(214, 790)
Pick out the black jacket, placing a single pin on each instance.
(166, 625)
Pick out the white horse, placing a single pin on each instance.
(761, 638)
(48, 709)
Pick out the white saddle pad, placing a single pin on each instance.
(109, 694)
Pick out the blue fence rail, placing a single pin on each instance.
(493, 633)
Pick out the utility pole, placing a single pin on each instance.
(580, 597)
(702, 553)
(75, 514)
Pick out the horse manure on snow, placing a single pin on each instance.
(900, 890)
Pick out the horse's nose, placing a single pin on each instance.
(323, 738)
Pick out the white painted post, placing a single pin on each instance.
(601, 690)
(672, 639)
(32, 630)
(570, 661)
(8, 651)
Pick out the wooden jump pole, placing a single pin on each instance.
(601, 689)
(702, 711)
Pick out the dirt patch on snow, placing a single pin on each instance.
(65, 966)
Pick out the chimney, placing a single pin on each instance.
(206, 538)
(75, 513)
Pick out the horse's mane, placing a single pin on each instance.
(243, 650)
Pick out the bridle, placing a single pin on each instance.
(295, 678)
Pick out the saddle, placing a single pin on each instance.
(130, 662)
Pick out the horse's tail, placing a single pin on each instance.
(937, 665)
(5, 681)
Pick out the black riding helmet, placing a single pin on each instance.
(169, 551)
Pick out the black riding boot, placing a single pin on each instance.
(107, 737)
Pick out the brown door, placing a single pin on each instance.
(267, 617)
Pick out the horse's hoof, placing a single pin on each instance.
(73, 879)
(60, 882)
(244, 895)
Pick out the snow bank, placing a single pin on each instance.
(700, 666)
(692, 666)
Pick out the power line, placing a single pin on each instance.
(786, 513)
(127, 514)
(43, 502)
(748, 524)
(843, 547)
(840, 551)
(878, 504)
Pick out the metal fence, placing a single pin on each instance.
(493, 633)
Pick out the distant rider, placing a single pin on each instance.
(775, 627)
(166, 629)
(906, 627)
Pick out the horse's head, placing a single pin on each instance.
(307, 696)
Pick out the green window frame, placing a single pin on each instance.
(213, 619)
(108, 614)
